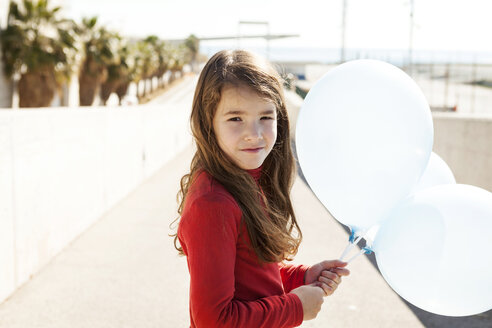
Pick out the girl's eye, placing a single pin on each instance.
(235, 119)
(267, 118)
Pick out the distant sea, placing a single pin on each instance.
(332, 55)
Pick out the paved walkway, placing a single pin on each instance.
(124, 271)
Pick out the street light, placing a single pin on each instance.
(267, 24)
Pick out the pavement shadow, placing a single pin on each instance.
(431, 320)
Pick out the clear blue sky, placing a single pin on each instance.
(440, 24)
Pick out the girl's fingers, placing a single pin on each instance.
(329, 282)
(340, 271)
(326, 288)
(331, 275)
(329, 286)
(333, 264)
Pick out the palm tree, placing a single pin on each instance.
(162, 63)
(39, 48)
(120, 73)
(111, 84)
(129, 56)
(99, 52)
(146, 61)
(177, 60)
(192, 44)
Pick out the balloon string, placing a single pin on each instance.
(350, 246)
(362, 251)
(345, 252)
(352, 243)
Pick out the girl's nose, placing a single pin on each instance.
(253, 132)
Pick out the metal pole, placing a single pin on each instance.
(238, 39)
(474, 85)
(344, 22)
(431, 78)
(446, 85)
(410, 48)
(265, 23)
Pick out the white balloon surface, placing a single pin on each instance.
(436, 173)
(434, 250)
(364, 136)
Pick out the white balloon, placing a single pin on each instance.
(436, 173)
(364, 136)
(370, 235)
(434, 251)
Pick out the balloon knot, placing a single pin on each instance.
(352, 236)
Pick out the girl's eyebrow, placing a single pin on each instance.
(239, 112)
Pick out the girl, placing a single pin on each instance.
(237, 222)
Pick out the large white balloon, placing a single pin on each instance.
(364, 136)
(434, 251)
(436, 173)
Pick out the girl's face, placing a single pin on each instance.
(245, 126)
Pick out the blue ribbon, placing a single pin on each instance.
(352, 236)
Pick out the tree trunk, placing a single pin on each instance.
(90, 79)
(87, 89)
(36, 89)
(121, 90)
(144, 88)
(107, 88)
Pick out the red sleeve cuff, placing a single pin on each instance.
(302, 272)
(292, 275)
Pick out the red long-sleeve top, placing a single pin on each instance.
(229, 287)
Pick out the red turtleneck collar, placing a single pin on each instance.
(255, 173)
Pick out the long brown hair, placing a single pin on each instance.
(273, 229)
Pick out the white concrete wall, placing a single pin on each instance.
(464, 142)
(61, 169)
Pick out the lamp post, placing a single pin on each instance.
(267, 37)
(410, 46)
(344, 21)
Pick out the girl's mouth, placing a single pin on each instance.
(252, 150)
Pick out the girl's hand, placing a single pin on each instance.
(327, 275)
(311, 297)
